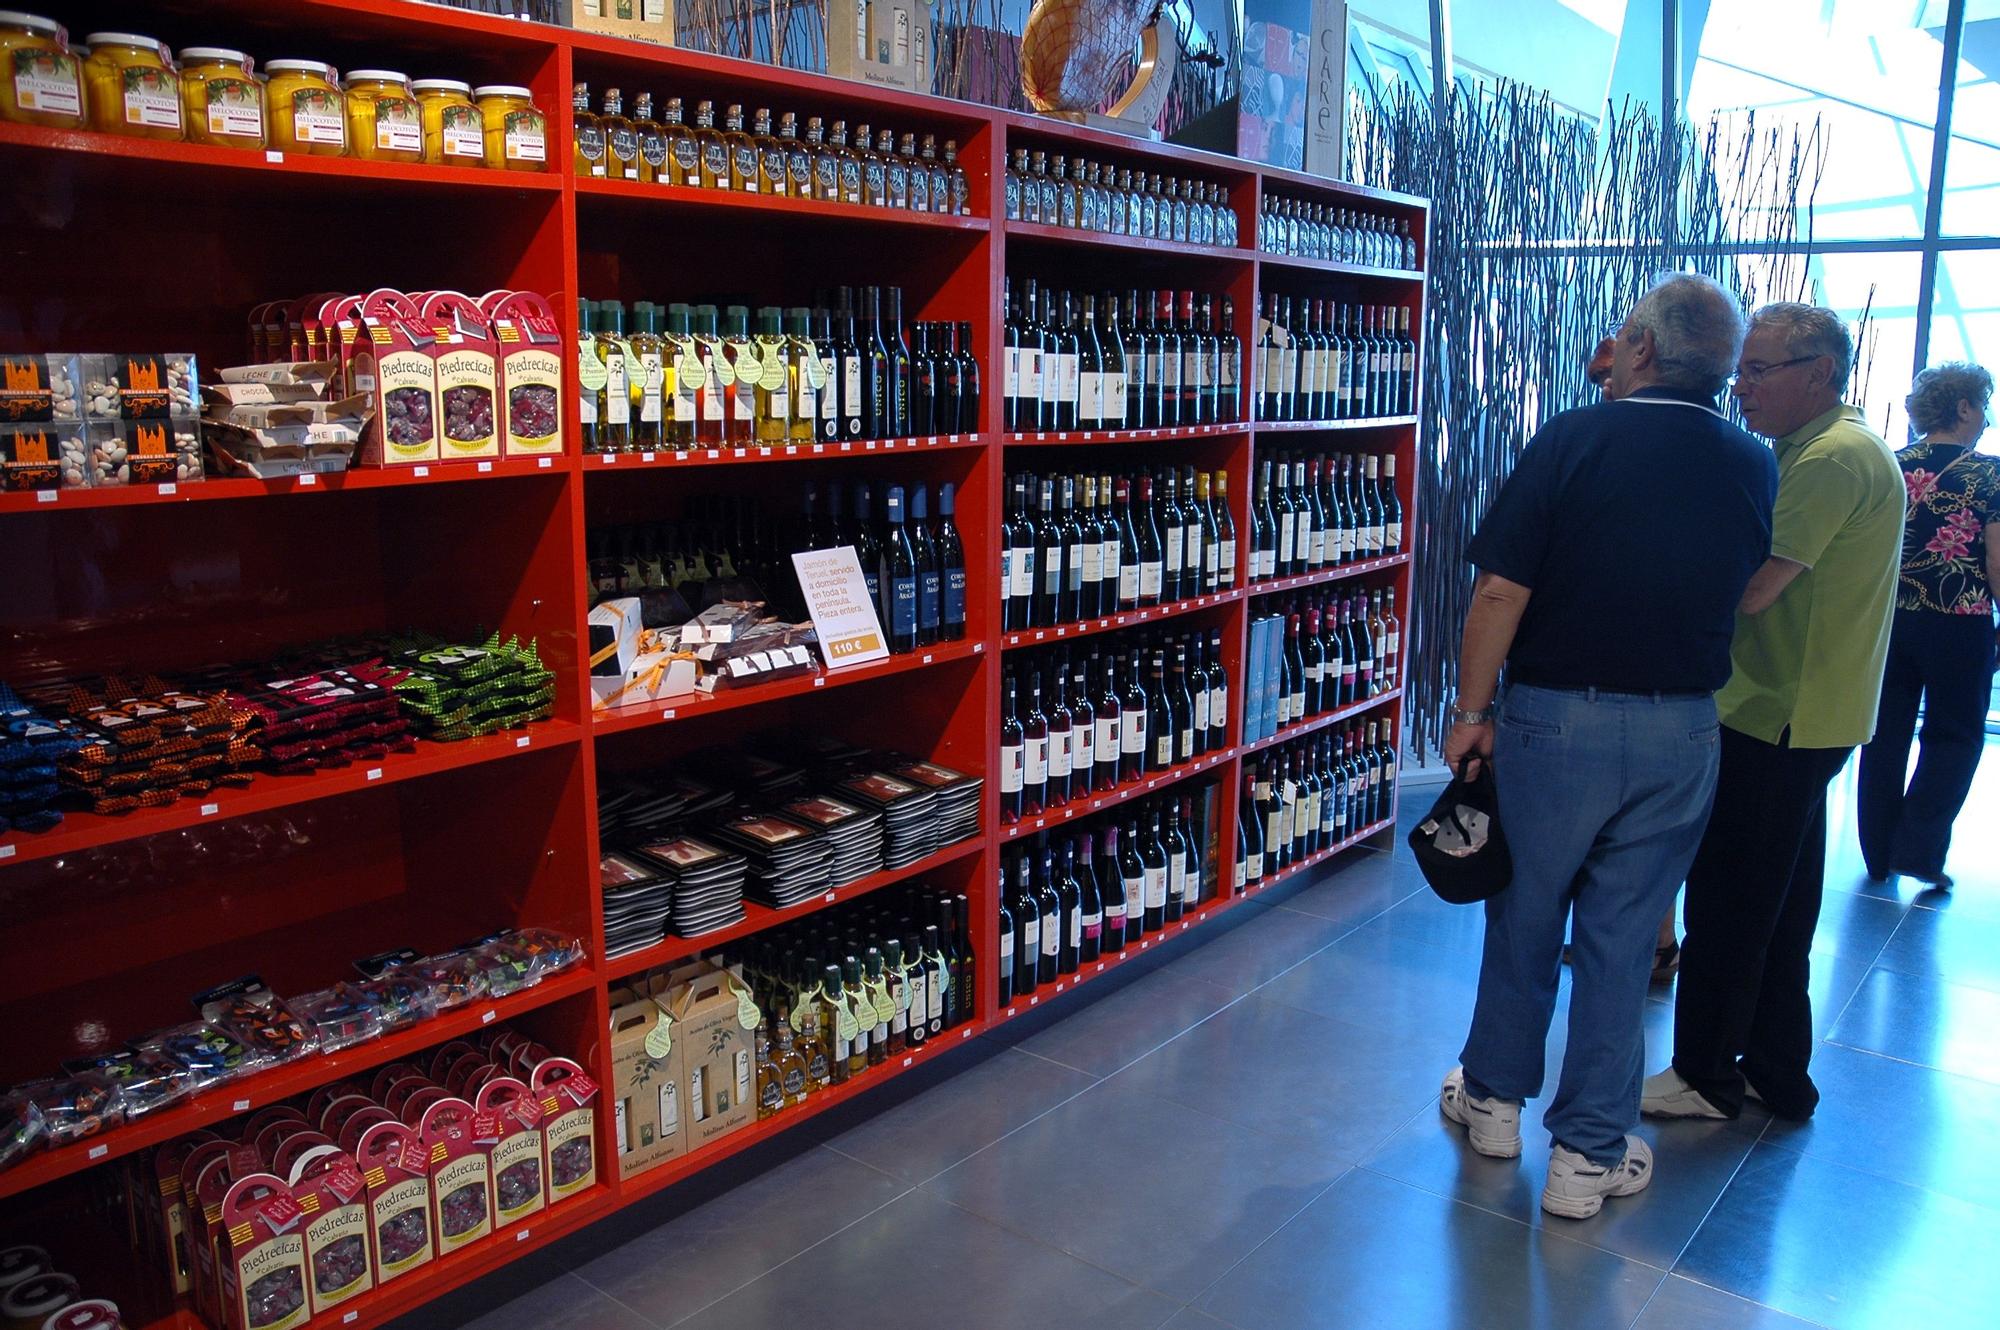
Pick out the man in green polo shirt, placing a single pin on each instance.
(1806, 672)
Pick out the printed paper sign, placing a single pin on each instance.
(850, 632)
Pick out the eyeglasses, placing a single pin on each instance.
(1758, 373)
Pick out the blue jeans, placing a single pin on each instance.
(1603, 797)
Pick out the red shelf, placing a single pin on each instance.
(761, 207)
(281, 1083)
(1054, 438)
(692, 705)
(191, 161)
(332, 482)
(1326, 575)
(1302, 728)
(1064, 632)
(1069, 983)
(1318, 857)
(1073, 235)
(757, 918)
(1132, 789)
(1305, 264)
(1318, 426)
(740, 454)
(85, 831)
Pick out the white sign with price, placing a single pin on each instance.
(843, 615)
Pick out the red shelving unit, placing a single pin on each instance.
(116, 919)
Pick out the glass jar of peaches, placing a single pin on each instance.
(42, 79)
(131, 86)
(516, 133)
(304, 111)
(454, 131)
(384, 121)
(222, 103)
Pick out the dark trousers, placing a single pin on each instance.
(1742, 1008)
(1946, 662)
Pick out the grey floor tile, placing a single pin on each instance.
(1682, 1304)
(1693, 1164)
(1374, 978)
(922, 1263)
(1422, 917)
(931, 1131)
(1293, 1074)
(1099, 1034)
(1855, 926)
(1149, 1190)
(1372, 1251)
(1190, 1319)
(1847, 1249)
(1835, 983)
(692, 1260)
(1897, 1120)
(562, 1302)
(1949, 1026)
(1266, 942)
(1358, 890)
(1963, 949)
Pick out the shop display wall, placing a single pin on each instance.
(121, 243)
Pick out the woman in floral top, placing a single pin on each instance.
(1942, 651)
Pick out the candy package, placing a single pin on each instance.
(21, 1129)
(210, 1055)
(548, 951)
(339, 1017)
(400, 999)
(73, 1107)
(146, 1080)
(249, 1010)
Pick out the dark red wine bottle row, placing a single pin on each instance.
(1319, 510)
(1310, 795)
(1078, 361)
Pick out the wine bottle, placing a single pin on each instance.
(1083, 869)
(899, 566)
(930, 581)
(1090, 369)
(1132, 723)
(1150, 553)
(1069, 599)
(1153, 857)
(1160, 723)
(1049, 962)
(1083, 734)
(1062, 727)
(1012, 751)
(1021, 543)
(1108, 711)
(1035, 751)
(1112, 390)
(1069, 892)
(1027, 926)
(1250, 827)
(1111, 883)
(1050, 545)
(949, 550)
(1004, 970)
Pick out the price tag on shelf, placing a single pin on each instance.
(819, 447)
(909, 1062)
(829, 897)
(869, 445)
(714, 453)
(966, 1033)
(522, 742)
(847, 445)
(546, 463)
(45, 496)
(646, 457)
(273, 155)
(240, 1106)
(168, 487)
(1060, 987)
(978, 647)
(99, 1151)
(819, 681)
(485, 467)
(210, 810)
(308, 480)
(763, 452)
(374, 773)
(791, 450)
(521, 1235)
(928, 658)
(350, 1318)
(486, 1017)
(6, 852)
(420, 471)
(608, 459)
(1100, 967)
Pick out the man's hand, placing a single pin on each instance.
(1469, 741)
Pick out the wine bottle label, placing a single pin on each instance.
(1218, 705)
(1225, 558)
(1242, 876)
(1031, 373)
(1059, 754)
(1022, 576)
(1010, 768)
(1052, 935)
(930, 591)
(1114, 914)
(617, 390)
(1067, 370)
(1149, 579)
(1089, 397)
(1254, 866)
(1073, 565)
(1031, 934)
(1006, 950)
(903, 607)
(1132, 732)
(1075, 929)
(1172, 553)
(1201, 710)
(1111, 392)
(1093, 925)
(1287, 536)
(1163, 751)
(1185, 742)
(1128, 584)
(954, 595)
(1012, 376)
(1083, 753)
(1091, 557)
(1392, 537)
(1052, 569)
(1191, 369)
(1107, 736)
(1037, 763)
(1299, 702)
(1156, 887)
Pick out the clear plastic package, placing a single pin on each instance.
(250, 1011)
(455, 978)
(340, 1016)
(146, 1080)
(549, 951)
(209, 1055)
(21, 1129)
(74, 1107)
(401, 998)
(140, 386)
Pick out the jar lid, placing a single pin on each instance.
(90, 1314)
(215, 53)
(318, 67)
(35, 22)
(123, 39)
(378, 75)
(501, 90)
(441, 85)
(38, 1296)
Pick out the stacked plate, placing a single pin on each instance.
(908, 813)
(789, 862)
(707, 882)
(957, 807)
(856, 833)
(636, 809)
(638, 900)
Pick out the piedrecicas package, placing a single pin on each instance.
(395, 1167)
(264, 1245)
(397, 360)
(529, 347)
(467, 376)
(461, 1176)
(569, 1126)
(510, 1120)
(330, 1193)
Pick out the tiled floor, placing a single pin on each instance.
(1243, 1133)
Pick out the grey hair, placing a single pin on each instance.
(1812, 331)
(1697, 329)
(1934, 397)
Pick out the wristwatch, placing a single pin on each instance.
(1460, 716)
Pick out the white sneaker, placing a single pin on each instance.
(1576, 1188)
(1492, 1125)
(1666, 1095)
